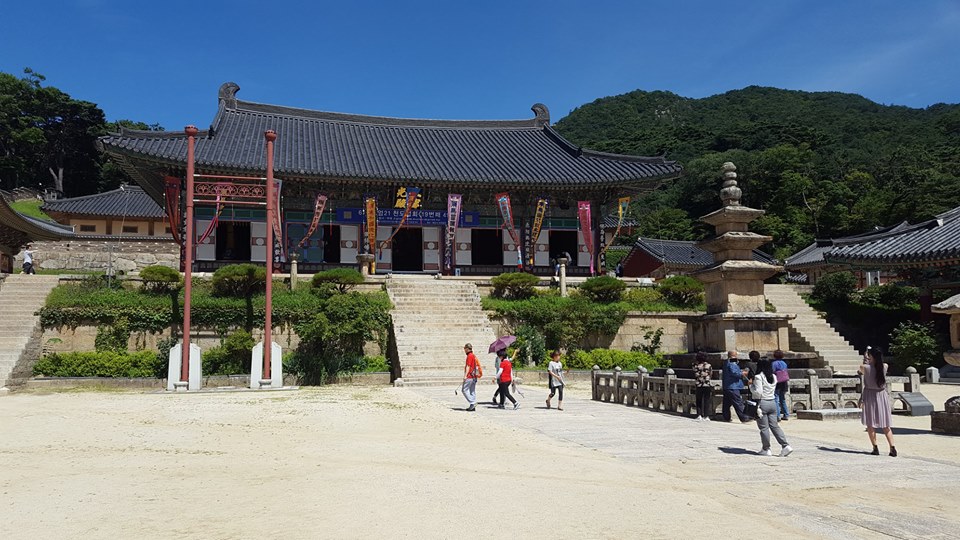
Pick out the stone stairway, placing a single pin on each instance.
(811, 333)
(21, 295)
(432, 320)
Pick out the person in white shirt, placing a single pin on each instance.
(762, 388)
(28, 260)
(555, 372)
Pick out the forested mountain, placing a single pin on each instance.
(48, 139)
(822, 164)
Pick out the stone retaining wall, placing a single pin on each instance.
(212, 381)
(128, 255)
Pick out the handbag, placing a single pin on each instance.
(751, 408)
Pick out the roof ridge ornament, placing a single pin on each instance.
(543, 114)
(228, 94)
(730, 194)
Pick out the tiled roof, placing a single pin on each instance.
(610, 222)
(812, 255)
(932, 242)
(322, 145)
(17, 230)
(685, 254)
(129, 201)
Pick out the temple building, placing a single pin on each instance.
(126, 211)
(454, 196)
(651, 257)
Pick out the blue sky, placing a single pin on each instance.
(164, 61)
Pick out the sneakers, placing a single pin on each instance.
(500, 406)
(786, 451)
(706, 419)
(765, 452)
(471, 408)
(516, 405)
(548, 403)
(699, 419)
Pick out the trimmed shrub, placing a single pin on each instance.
(99, 364)
(343, 279)
(890, 296)
(231, 357)
(835, 288)
(914, 344)
(604, 289)
(682, 290)
(609, 359)
(373, 364)
(239, 280)
(160, 279)
(514, 285)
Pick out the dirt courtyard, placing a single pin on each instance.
(352, 462)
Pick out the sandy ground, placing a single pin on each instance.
(351, 462)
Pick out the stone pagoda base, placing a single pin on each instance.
(758, 331)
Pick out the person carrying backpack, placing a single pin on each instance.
(783, 377)
(472, 370)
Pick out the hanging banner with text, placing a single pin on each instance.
(623, 203)
(454, 203)
(506, 213)
(583, 212)
(318, 207)
(371, 208)
(413, 195)
(541, 212)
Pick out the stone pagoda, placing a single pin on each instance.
(736, 317)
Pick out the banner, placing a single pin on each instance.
(503, 202)
(454, 203)
(413, 194)
(371, 208)
(171, 195)
(583, 212)
(279, 246)
(622, 204)
(218, 209)
(537, 226)
(318, 207)
(402, 195)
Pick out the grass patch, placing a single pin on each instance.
(30, 207)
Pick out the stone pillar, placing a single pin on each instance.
(913, 380)
(293, 271)
(365, 260)
(814, 382)
(618, 392)
(642, 383)
(668, 378)
(562, 261)
(595, 382)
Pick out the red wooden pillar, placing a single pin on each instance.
(191, 132)
(270, 136)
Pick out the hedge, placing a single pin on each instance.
(100, 364)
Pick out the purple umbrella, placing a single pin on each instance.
(502, 343)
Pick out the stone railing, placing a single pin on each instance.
(672, 394)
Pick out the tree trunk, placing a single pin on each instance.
(57, 178)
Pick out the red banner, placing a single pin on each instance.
(172, 199)
(503, 203)
(454, 203)
(318, 207)
(583, 212)
(371, 208)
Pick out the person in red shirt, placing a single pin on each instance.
(504, 378)
(471, 372)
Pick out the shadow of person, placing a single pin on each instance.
(910, 431)
(842, 450)
(732, 450)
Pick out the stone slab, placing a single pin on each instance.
(829, 414)
(916, 403)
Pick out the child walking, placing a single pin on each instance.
(555, 372)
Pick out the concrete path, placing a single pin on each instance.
(824, 488)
